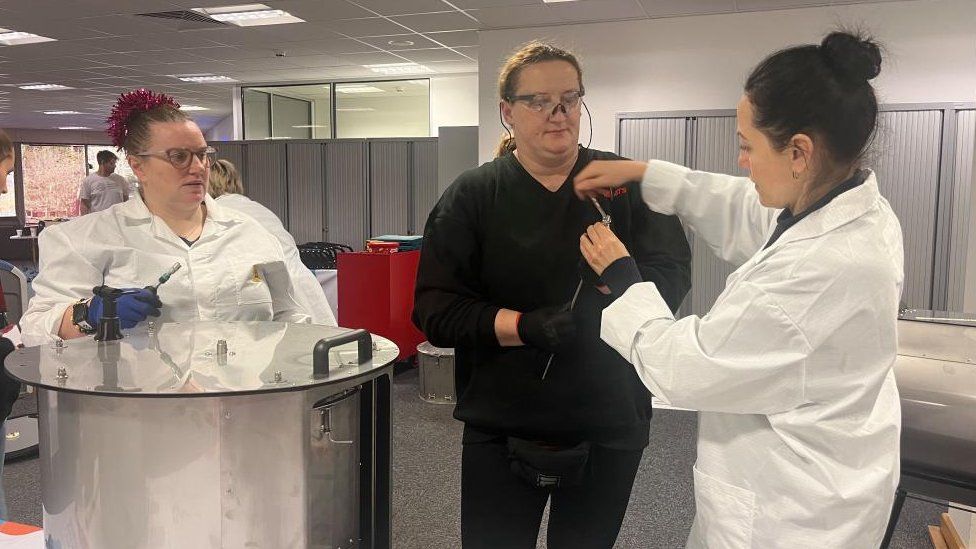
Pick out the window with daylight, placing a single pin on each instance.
(52, 176)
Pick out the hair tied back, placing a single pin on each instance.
(133, 103)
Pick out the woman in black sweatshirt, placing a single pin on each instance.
(549, 409)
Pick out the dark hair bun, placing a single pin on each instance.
(854, 59)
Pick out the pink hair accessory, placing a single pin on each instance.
(134, 102)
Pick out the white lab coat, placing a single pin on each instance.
(308, 291)
(235, 271)
(791, 370)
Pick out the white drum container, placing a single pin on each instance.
(436, 365)
(213, 435)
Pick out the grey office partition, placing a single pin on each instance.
(425, 182)
(715, 149)
(234, 153)
(663, 138)
(907, 164)
(923, 156)
(961, 213)
(346, 192)
(306, 191)
(267, 177)
(457, 152)
(390, 170)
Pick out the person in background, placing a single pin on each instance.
(791, 369)
(233, 269)
(104, 188)
(227, 189)
(549, 410)
(9, 388)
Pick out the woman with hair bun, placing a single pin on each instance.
(791, 369)
(232, 268)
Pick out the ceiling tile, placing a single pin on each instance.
(374, 26)
(480, 4)
(516, 16)
(315, 61)
(759, 5)
(400, 7)
(333, 46)
(671, 8)
(433, 22)
(597, 10)
(321, 10)
(432, 55)
(455, 38)
(296, 32)
(402, 41)
(370, 59)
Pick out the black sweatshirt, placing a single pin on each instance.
(499, 239)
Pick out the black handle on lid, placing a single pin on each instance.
(320, 354)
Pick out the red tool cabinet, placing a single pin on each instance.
(376, 293)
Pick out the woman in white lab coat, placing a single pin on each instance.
(791, 369)
(227, 188)
(232, 268)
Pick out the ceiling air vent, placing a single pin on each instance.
(186, 19)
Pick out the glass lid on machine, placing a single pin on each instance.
(196, 359)
(939, 317)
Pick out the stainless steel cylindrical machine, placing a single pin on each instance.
(214, 435)
(436, 368)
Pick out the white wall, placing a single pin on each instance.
(453, 101)
(223, 130)
(701, 62)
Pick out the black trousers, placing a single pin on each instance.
(501, 511)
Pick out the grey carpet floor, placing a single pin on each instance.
(426, 474)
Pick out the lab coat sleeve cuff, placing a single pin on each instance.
(625, 317)
(662, 184)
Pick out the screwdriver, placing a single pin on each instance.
(176, 266)
(605, 219)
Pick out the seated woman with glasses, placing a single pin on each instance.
(231, 267)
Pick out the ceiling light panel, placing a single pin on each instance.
(61, 112)
(249, 15)
(203, 78)
(13, 38)
(357, 89)
(74, 128)
(399, 68)
(193, 108)
(44, 87)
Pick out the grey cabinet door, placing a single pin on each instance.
(424, 183)
(267, 177)
(391, 196)
(960, 238)
(306, 191)
(715, 149)
(233, 152)
(346, 192)
(657, 138)
(906, 158)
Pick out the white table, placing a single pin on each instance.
(329, 280)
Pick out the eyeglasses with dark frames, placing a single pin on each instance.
(181, 159)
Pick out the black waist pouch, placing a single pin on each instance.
(547, 466)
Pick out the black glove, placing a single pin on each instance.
(549, 328)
